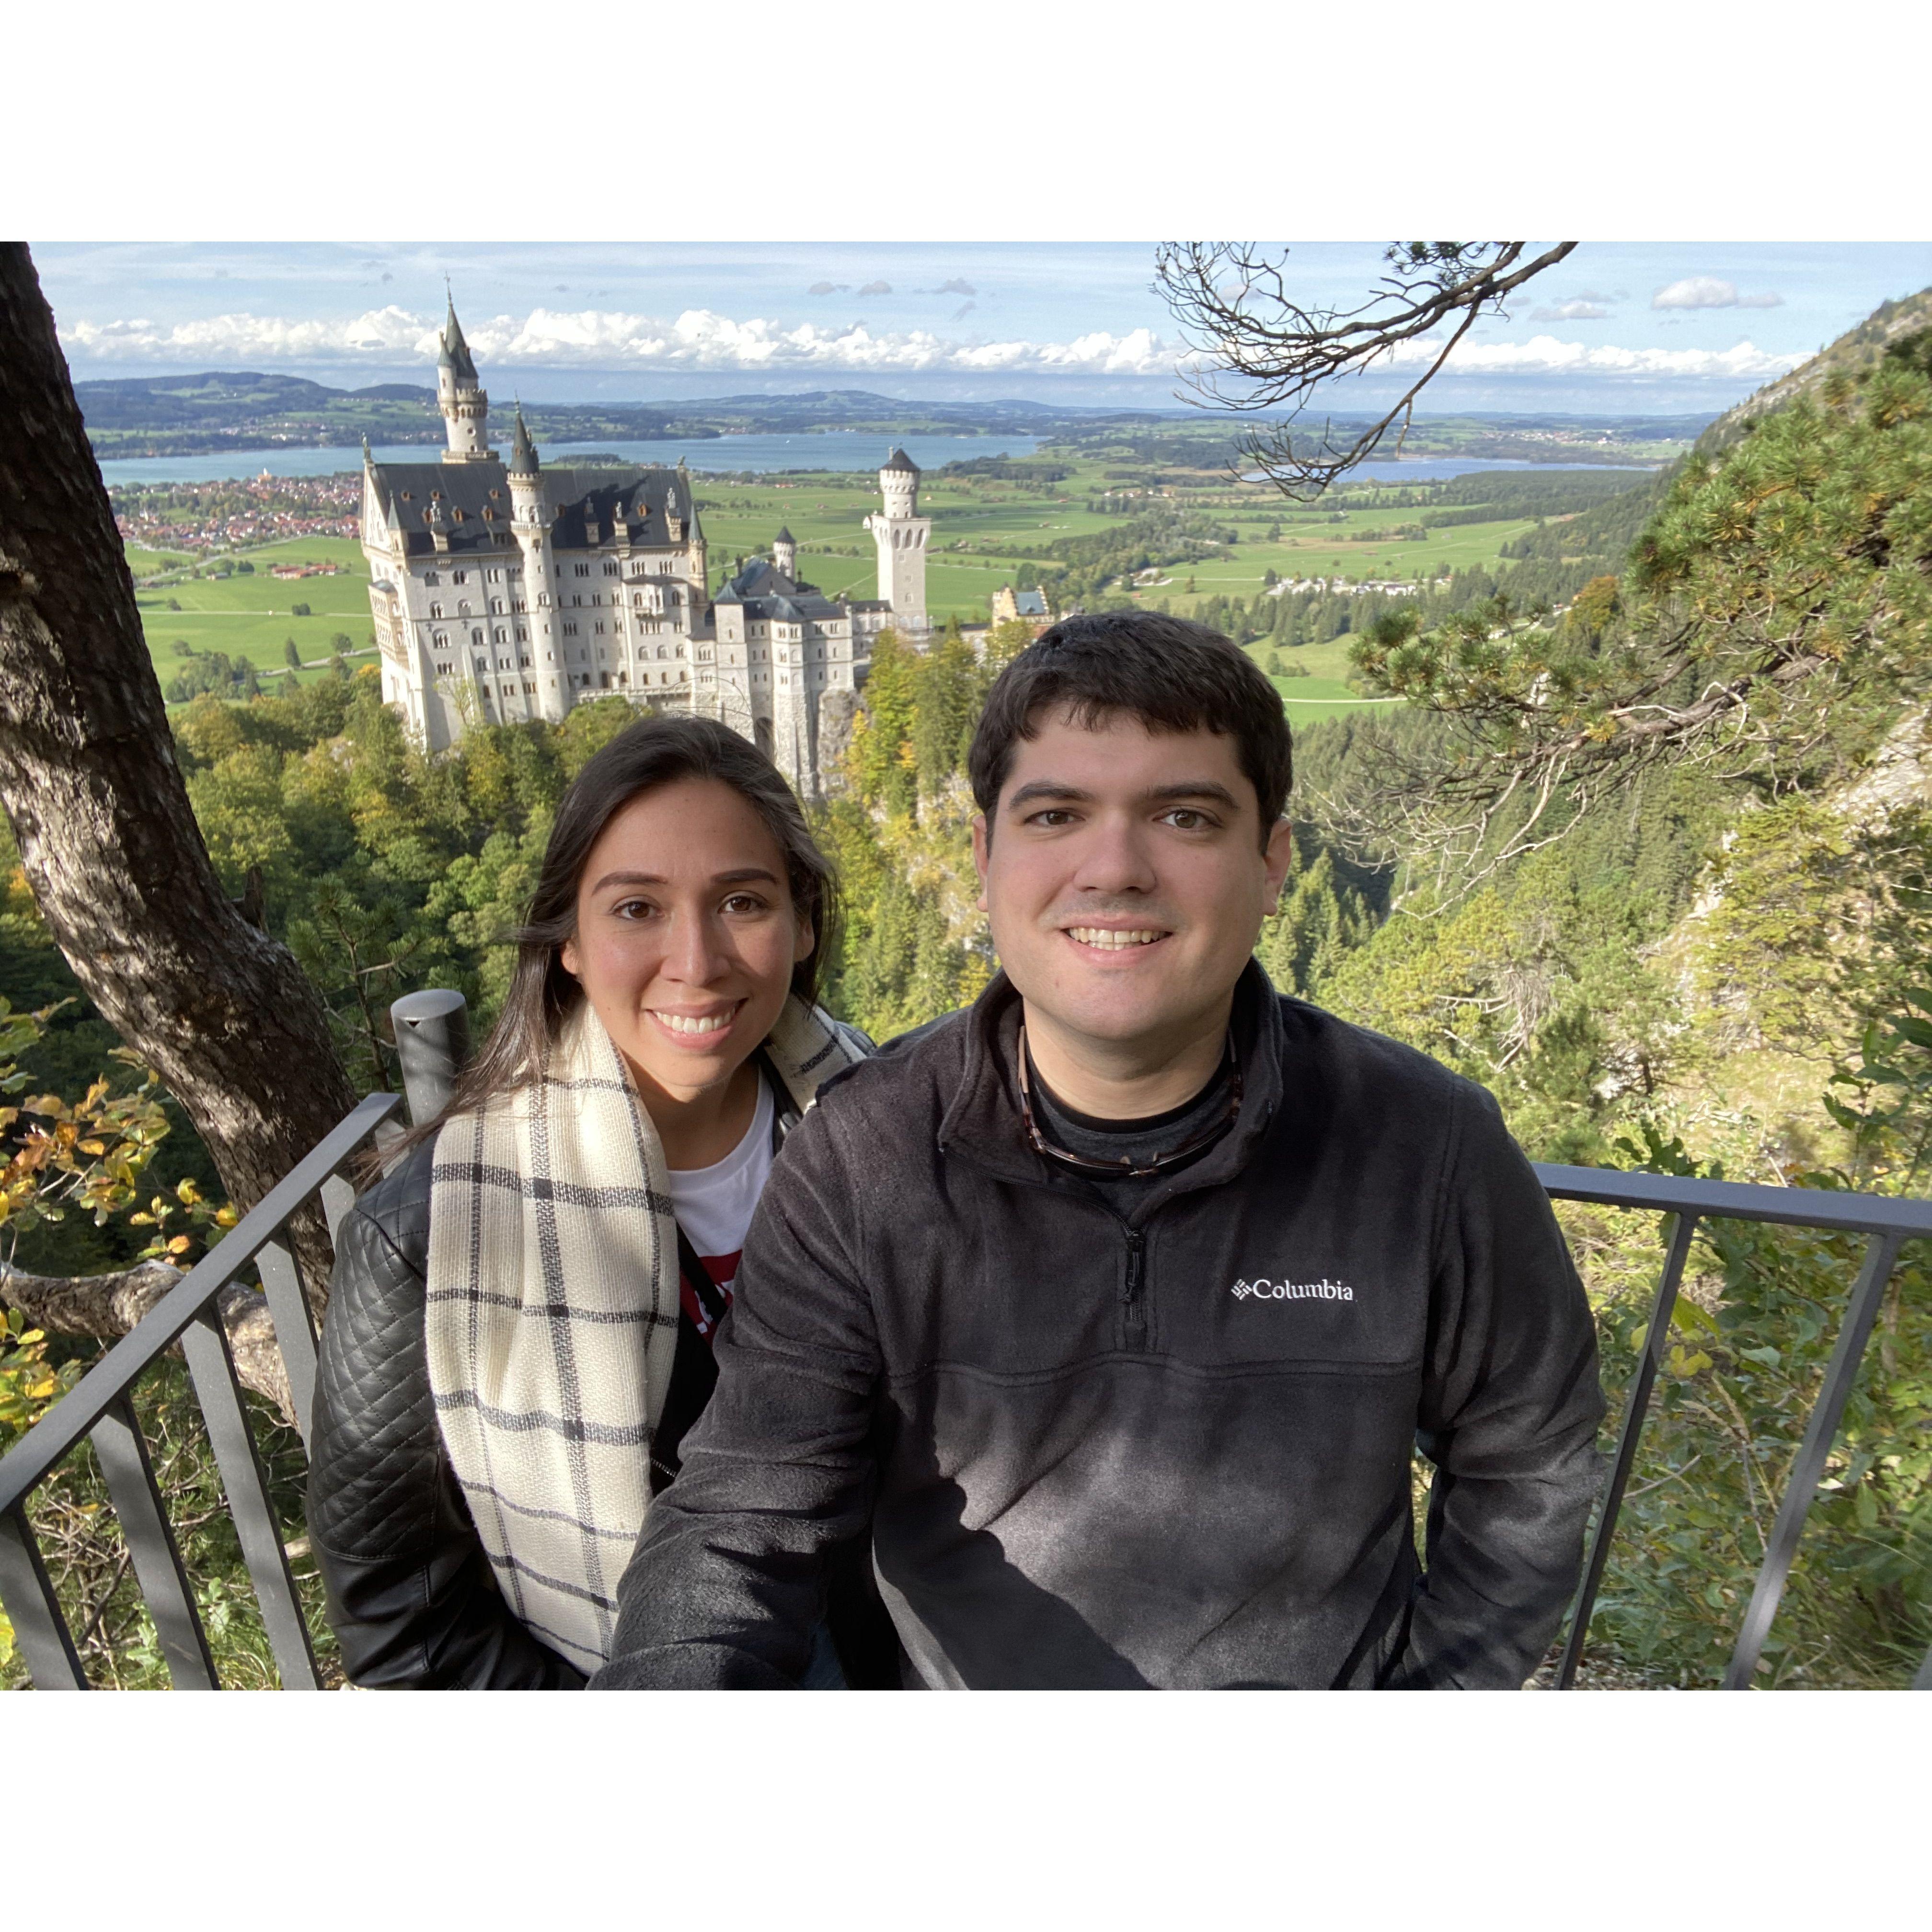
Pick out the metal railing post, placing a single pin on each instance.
(1801, 1486)
(1636, 1408)
(433, 1042)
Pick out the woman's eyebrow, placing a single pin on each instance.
(743, 875)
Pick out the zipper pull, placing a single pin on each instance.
(1136, 1260)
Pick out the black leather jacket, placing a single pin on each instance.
(410, 1594)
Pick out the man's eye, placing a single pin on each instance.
(632, 909)
(1053, 816)
(744, 902)
(1185, 818)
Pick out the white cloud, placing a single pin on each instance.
(1581, 310)
(1546, 356)
(702, 340)
(1708, 292)
(698, 339)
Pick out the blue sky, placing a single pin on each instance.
(1618, 328)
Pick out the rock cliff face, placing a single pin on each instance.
(1854, 351)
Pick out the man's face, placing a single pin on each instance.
(1125, 879)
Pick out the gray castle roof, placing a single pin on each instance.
(898, 460)
(784, 536)
(455, 353)
(766, 592)
(472, 503)
(522, 451)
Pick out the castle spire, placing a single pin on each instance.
(459, 395)
(522, 451)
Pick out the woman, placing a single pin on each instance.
(520, 1326)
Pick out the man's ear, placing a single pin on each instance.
(1279, 858)
(982, 844)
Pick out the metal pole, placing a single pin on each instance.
(1840, 1372)
(432, 1042)
(1636, 1407)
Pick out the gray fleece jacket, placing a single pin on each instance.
(1171, 1449)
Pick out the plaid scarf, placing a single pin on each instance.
(552, 1313)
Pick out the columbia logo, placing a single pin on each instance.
(1294, 1290)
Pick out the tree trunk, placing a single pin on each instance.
(110, 843)
(105, 1306)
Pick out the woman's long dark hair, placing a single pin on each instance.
(655, 751)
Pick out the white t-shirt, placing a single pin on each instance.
(714, 1205)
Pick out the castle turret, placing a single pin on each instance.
(901, 535)
(459, 395)
(530, 524)
(785, 553)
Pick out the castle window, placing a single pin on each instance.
(523, 635)
(476, 635)
(459, 576)
(610, 570)
(440, 641)
(502, 636)
(570, 630)
(600, 627)
(482, 664)
(430, 578)
(463, 607)
(580, 569)
(442, 667)
(436, 610)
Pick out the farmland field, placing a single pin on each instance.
(987, 531)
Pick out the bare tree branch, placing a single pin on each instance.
(1263, 350)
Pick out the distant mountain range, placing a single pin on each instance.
(180, 415)
(186, 415)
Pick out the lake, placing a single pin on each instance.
(839, 449)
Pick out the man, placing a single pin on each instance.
(1117, 1304)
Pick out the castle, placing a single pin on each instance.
(502, 591)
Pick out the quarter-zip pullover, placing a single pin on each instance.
(1168, 1447)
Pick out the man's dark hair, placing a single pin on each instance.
(1171, 674)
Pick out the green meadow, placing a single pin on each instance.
(984, 528)
(253, 616)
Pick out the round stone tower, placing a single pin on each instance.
(901, 535)
(528, 522)
(459, 395)
(785, 554)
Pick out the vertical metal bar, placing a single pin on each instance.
(1840, 1372)
(338, 1196)
(295, 1328)
(123, 1451)
(205, 1342)
(1636, 1408)
(34, 1610)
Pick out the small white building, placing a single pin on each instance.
(504, 592)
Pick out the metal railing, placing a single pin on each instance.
(431, 1033)
(1888, 1224)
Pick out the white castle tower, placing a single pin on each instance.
(785, 553)
(528, 520)
(459, 395)
(901, 534)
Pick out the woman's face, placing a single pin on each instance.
(686, 934)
